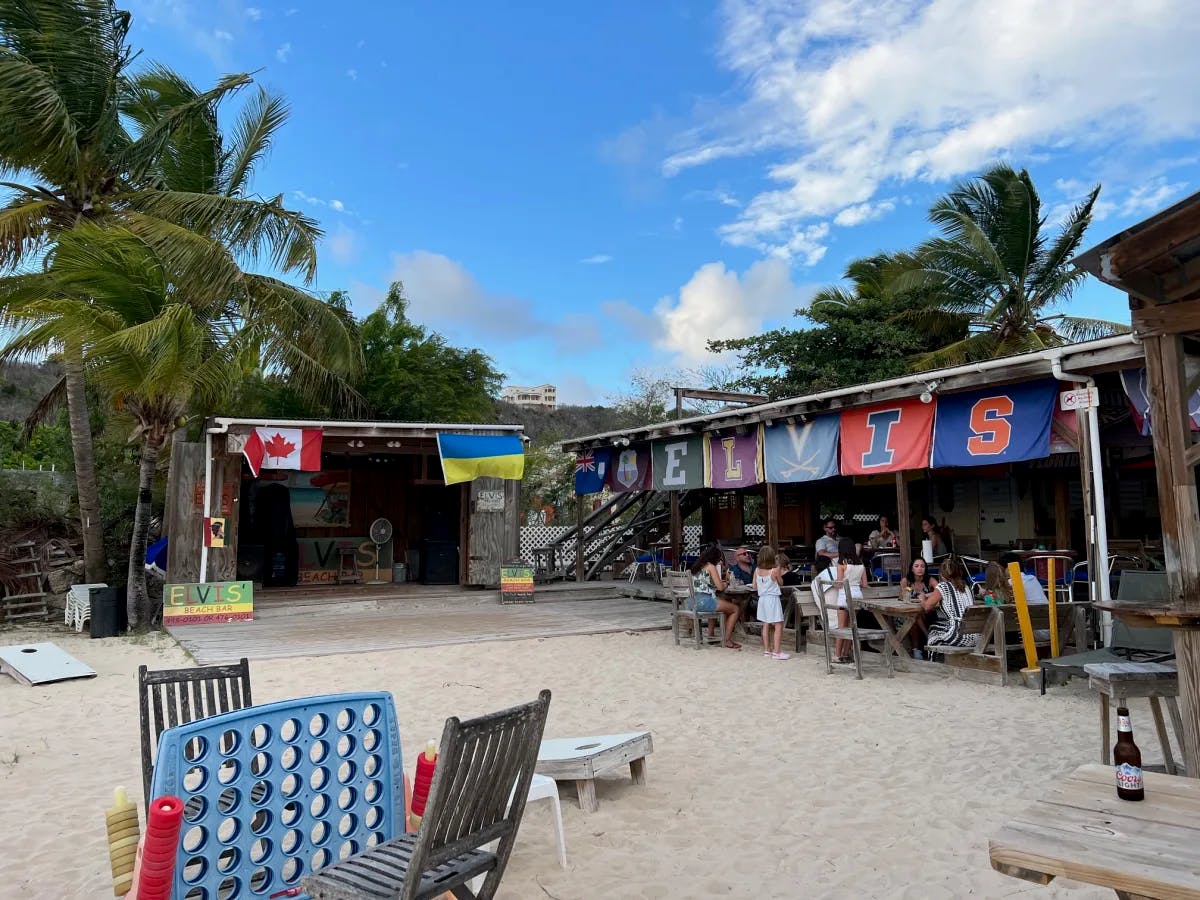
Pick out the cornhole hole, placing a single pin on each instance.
(44, 663)
(581, 759)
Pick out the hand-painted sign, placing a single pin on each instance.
(320, 557)
(734, 460)
(678, 463)
(803, 452)
(516, 583)
(631, 472)
(994, 425)
(886, 437)
(195, 604)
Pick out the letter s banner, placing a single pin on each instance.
(886, 437)
(994, 425)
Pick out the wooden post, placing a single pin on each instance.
(1097, 568)
(1052, 600)
(1062, 514)
(579, 561)
(1171, 429)
(904, 515)
(676, 530)
(773, 514)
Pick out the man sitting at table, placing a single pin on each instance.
(1034, 592)
(827, 545)
(742, 570)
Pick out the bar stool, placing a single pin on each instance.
(1122, 680)
(348, 571)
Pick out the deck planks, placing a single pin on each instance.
(279, 632)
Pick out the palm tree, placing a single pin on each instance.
(160, 346)
(996, 266)
(69, 159)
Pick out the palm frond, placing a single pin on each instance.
(36, 128)
(45, 409)
(252, 135)
(23, 229)
(1075, 329)
(190, 160)
(198, 265)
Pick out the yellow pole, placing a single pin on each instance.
(1051, 598)
(1018, 586)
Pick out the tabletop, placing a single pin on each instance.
(1079, 829)
(892, 606)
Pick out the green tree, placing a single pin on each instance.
(997, 266)
(66, 96)
(157, 344)
(413, 375)
(861, 333)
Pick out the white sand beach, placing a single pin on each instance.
(768, 778)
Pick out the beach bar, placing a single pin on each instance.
(323, 503)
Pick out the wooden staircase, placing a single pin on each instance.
(30, 600)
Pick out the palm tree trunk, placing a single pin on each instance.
(138, 601)
(95, 564)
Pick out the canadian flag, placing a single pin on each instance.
(283, 448)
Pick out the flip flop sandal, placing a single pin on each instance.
(733, 645)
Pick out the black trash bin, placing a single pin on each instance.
(109, 618)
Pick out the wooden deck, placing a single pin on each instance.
(360, 621)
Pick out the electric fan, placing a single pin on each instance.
(381, 533)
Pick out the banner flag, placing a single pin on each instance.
(886, 437)
(466, 457)
(678, 463)
(995, 425)
(591, 470)
(631, 470)
(283, 448)
(1137, 388)
(734, 460)
(801, 452)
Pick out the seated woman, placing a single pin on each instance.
(918, 585)
(706, 581)
(849, 568)
(930, 532)
(953, 597)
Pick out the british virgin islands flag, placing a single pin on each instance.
(466, 457)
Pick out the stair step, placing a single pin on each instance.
(11, 597)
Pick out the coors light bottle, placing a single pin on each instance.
(1128, 760)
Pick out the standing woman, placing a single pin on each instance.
(851, 570)
(953, 596)
(706, 582)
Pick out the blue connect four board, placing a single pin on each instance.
(272, 793)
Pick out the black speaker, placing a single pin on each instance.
(250, 563)
(439, 562)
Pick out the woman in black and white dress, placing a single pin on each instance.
(953, 597)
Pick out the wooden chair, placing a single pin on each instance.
(805, 613)
(824, 592)
(178, 696)
(478, 795)
(683, 607)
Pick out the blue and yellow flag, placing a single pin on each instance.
(466, 457)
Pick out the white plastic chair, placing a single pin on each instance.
(78, 608)
(543, 787)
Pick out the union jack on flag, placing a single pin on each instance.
(591, 470)
(585, 463)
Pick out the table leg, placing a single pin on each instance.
(1161, 727)
(1105, 750)
(893, 642)
(1176, 720)
(585, 788)
(637, 770)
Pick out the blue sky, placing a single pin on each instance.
(585, 190)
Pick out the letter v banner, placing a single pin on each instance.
(886, 437)
(995, 425)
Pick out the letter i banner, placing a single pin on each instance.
(886, 437)
(995, 425)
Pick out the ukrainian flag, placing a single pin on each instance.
(466, 457)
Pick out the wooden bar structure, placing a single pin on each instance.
(1157, 264)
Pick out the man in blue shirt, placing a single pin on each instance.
(743, 566)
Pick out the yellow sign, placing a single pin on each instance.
(516, 584)
(195, 604)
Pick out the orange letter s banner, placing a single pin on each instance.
(989, 422)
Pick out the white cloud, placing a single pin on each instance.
(222, 35)
(596, 260)
(337, 205)
(1155, 192)
(863, 212)
(343, 244)
(283, 52)
(718, 303)
(253, 13)
(352, 74)
(845, 98)
(291, 11)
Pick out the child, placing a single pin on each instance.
(768, 580)
(996, 591)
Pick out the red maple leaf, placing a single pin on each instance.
(279, 447)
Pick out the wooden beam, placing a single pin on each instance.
(904, 514)
(676, 530)
(1138, 251)
(1172, 318)
(772, 501)
(1062, 513)
(579, 546)
(720, 396)
(1192, 455)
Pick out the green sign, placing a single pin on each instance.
(516, 583)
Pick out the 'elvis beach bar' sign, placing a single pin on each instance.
(195, 604)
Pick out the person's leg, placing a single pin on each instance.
(730, 611)
(766, 638)
(843, 645)
(778, 637)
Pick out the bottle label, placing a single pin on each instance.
(1129, 778)
(1123, 724)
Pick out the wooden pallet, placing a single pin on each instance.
(31, 603)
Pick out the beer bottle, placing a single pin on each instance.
(1128, 760)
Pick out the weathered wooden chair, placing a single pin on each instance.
(170, 697)
(806, 615)
(478, 795)
(826, 593)
(683, 608)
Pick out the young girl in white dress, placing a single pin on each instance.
(768, 581)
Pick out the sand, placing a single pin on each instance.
(769, 778)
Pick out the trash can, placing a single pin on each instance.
(400, 572)
(108, 616)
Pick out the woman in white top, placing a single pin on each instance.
(849, 568)
(768, 581)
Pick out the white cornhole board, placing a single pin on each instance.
(581, 759)
(33, 664)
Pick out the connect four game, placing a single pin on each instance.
(272, 793)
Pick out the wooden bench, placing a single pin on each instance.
(995, 625)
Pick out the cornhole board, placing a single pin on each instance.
(581, 759)
(32, 664)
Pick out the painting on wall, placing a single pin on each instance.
(319, 499)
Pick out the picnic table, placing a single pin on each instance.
(885, 609)
(1079, 829)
